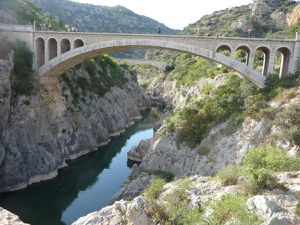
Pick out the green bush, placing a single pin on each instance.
(229, 175)
(174, 209)
(83, 83)
(177, 207)
(194, 121)
(157, 213)
(298, 205)
(289, 121)
(23, 68)
(207, 89)
(155, 188)
(232, 207)
(90, 67)
(112, 72)
(270, 158)
(260, 164)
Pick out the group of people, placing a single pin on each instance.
(158, 30)
(46, 26)
(69, 28)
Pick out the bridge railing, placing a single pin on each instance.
(17, 28)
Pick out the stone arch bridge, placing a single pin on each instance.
(55, 52)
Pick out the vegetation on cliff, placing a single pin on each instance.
(23, 68)
(232, 101)
(22, 58)
(264, 18)
(103, 73)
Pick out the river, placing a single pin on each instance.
(86, 185)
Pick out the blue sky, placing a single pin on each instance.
(175, 14)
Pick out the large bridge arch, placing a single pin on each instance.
(71, 58)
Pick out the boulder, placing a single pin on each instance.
(8, 218)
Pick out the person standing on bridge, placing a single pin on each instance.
(158, 30)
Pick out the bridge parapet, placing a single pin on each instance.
(16, 28)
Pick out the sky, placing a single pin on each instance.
(176, 14)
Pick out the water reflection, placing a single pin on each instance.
(85, 186)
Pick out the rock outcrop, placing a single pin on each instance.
(39, 132)
(121, 212)
(8, 218)
(272, 209)
(218, 149)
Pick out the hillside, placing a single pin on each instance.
(24, 12)
(265, 18)
(101, 18)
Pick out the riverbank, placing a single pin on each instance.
(84, 186)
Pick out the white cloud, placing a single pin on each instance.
(173, 13)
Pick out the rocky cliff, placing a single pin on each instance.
(61, 119)
(264, 17)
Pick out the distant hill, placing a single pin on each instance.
(94, 18)
(24, 12)
(266, 18)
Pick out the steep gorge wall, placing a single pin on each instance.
(39, 132)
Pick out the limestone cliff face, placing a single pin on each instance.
(218, 149)
(39, 132)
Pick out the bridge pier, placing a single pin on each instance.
(251, 60)
(296, 57)
(271, 64)
(46, 51)
(266, 64)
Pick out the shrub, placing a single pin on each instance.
(270, 158)
(126, 65)
(232, 208)
(83, 83)
(298, 205)
(155, 188)
(263, 179)
(111, 71)
(289, 121)
(207, 89)
(177, 205)
(174, 209)
(23, 68)
(260, 164)
(157, 213)
(229, 175)
(90, 67)
(254, 103)
(195, 121)
(275, 85)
